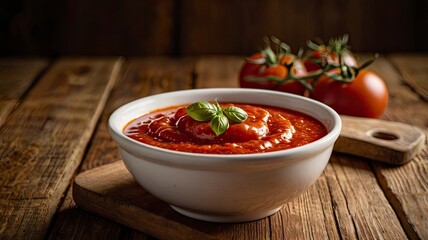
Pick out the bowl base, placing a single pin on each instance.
(231, 218)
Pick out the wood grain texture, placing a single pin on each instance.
(217, 71)
(407, 186)
(236, 27)
(310, 216)
(46, 139)
(414, 71)
(52, 28)
(358, 197)
(385, 141)
(118, 27)
(16, 77)
(140, 77)
(26, 218)
(182, 27)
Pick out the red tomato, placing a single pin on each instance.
(292, 86)
(261, 69)
(328, 57)
(298, 69)
(329, 54)
(365, 96)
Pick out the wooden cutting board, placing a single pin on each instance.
(379, 140)
(111, 192)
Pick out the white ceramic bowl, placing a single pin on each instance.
(221, 187)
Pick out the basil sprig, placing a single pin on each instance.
(202, 111)
(235, 114)
(219, 118)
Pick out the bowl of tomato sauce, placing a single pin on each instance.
(245, 154)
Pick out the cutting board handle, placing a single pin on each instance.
(385, 141)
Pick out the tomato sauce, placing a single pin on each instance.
(266, 129)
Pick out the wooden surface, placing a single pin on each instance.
(16, 78)
(110, 191)
(193, 27)
(380, 140)
(57, 129)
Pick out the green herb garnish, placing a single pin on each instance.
(202, 111)
(219, 118)
(235, 114)
(219, 124)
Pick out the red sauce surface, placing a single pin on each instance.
(266, 129)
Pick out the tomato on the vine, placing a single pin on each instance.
(298, 70)
(273, 77)
(270, 70)
(322, 55)
(328, 58)
(364, 96)
(329, 74)
(256, 66)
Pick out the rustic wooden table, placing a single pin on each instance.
(53, 125)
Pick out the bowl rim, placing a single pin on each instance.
(195, 159)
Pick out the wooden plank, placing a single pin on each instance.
(364, 200)
(205, 27)
(232, 28)
(47, 136)
(407, 186)
(16, 77)
(141, 77)
(414, 71)
(217, 71)
(305, 217)
(26, 218)
(131, 28)
(79, 224)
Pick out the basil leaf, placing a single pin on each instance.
(202, 111)
(217, 105)
(235, 114)
(219, 118)
(219, 124)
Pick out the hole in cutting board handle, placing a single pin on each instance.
(82, 70)
(384, 135)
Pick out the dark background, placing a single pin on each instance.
(197, 27)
